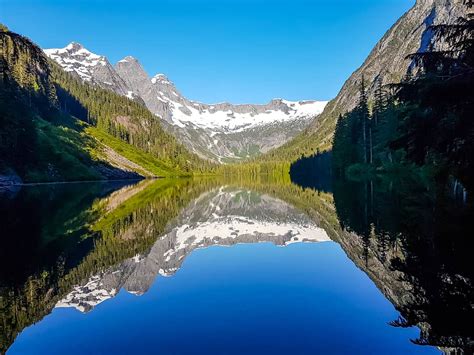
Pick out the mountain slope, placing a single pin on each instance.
(386, 63)
(221, 132)
(55, 127)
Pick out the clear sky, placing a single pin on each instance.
(220, 50)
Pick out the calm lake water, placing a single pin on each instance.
(233, 267)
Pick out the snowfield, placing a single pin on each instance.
(232, 122)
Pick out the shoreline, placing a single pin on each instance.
(3, 186)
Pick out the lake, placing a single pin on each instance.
(212, 266)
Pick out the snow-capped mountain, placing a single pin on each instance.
(88, 66)
(222, 217)
(221, 132)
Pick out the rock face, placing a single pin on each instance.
(222, 217)
(387, 62)
(220, 132)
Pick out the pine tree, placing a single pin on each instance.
(363, 112)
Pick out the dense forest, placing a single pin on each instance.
(125, 119)
(55, 127)
(425, 122)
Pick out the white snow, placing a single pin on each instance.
(230, 227)
(216, 118)
(223, 228)
(86, 296)
(220, 228)
(162, 79)
(230, 121)
(75, 58)
(126, 59)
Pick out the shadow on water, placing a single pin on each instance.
(414, 241)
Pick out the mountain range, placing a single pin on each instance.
(221, 132)
(116, 118)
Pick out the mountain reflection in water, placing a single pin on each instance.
(81, 246)
(224, 216)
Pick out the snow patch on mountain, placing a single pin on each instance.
(229, 228)
(75, 58)
(230, 121)
(85, 297)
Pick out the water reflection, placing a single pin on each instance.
(412, 237)
(82, 245)
(224, 216)
(56, 236)
(414, 241)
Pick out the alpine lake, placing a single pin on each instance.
(296, 265)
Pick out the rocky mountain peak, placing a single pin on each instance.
(77, 50)
(388, 62)
(213, 131)
(88, 66)
(161, 79)
(74, 46)
(130, 66)
(128, 59)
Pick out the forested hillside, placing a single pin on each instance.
(387, 63)
(427, 120)
(56, 128)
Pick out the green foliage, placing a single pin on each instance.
(404, 231)
(313, 140)
(41, 140)
(360, 172)
(255, 169)
(25, 92)
(60, 155)
(124, 119)
(149, 162)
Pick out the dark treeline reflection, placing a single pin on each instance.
(315, 172)
(56, 236)
(414, 240)
(33, 237)
(422, 239)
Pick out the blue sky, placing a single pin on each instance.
(220, 50)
